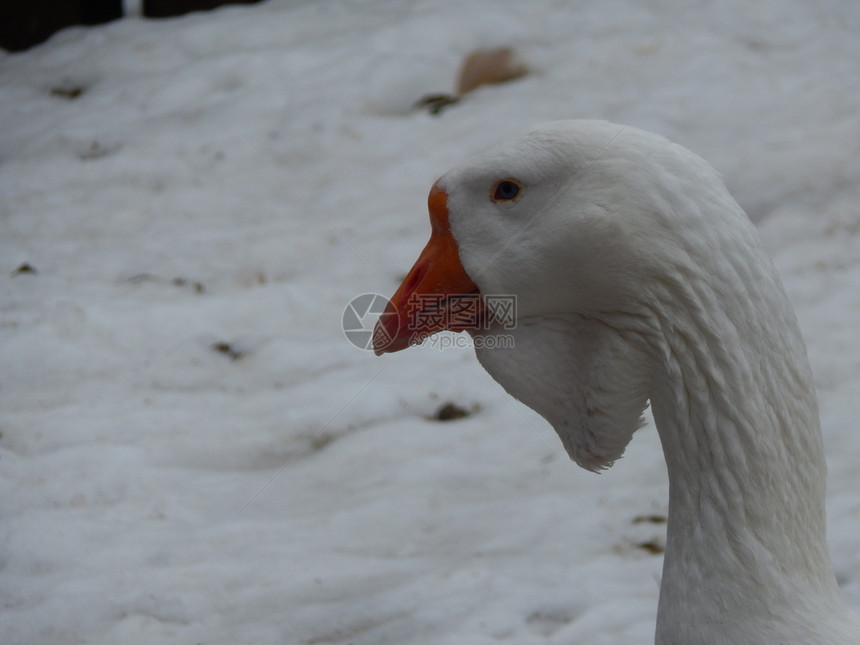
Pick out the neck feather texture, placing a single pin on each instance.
(733, 399)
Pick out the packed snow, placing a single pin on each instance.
(191, 450)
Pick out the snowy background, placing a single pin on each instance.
(191, 451)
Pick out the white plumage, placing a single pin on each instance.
(639, 278)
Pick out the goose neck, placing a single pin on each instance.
(738, 422)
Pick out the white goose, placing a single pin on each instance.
(638, 277)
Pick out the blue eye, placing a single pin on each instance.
(506, 190)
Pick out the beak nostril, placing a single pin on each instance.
(414, 278)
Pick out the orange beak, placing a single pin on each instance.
(436, 295)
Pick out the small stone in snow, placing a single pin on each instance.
(450, 412)
(26, 267)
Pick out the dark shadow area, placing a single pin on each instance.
(25, 23)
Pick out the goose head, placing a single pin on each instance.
(638, 278)
(586, 224)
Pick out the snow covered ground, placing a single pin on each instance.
(191, 451)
